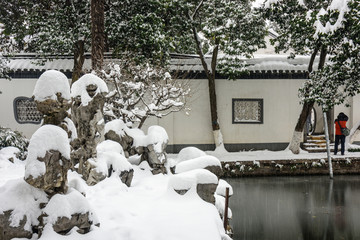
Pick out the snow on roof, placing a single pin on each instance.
(49, 84)
(179, 62)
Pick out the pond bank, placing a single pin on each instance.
(291, 167)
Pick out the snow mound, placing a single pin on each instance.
(24, 200)
(197, 163)
(190, 153)
(9, 152)
(109, 146)
(49, 84)
(65, 205)
(79, 87)
(220, 205)
(221, 188)
(118, 162)
(158, 137)
(47, 137)
(187, 180)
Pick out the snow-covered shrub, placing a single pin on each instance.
(15, 139)
(140, 91)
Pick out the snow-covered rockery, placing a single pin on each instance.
(88, 98)
(48, 159)
(194, 170)
(87, 87)
(43, 199)
(150, 147)
(110, 160)
(52, 98)
(52, 84)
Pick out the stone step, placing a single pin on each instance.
(316, 141)
(316, 137)
(317, 144)
(318, 150)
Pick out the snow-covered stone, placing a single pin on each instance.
(88, 102)
(221, 188)
(203, 180)
(65, 211)
(50, 84)
(46, 138)
(109, 146)
(19, 209)
(189, 153)
(220, 205)
(108, 163)
(9, 154)
(151, 147)
(208, 162)
(87, 87)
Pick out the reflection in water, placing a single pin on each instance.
(311, 207)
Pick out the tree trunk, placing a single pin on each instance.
(79, 59)
(294, 145)
(218, 139)
(97, 34)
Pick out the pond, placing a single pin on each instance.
(309, 207)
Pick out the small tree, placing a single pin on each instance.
(141, 91)
(226, 31)
(306, 28)
(340, 77)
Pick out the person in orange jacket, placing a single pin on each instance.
(340, 122)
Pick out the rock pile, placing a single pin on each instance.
(44, 189)
(150, 147)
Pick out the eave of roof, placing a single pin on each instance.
(262, 65)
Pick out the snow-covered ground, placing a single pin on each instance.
(150, 209)
(274, 155)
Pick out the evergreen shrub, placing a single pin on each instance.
(12, 138)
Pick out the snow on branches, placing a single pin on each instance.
(329, 27)
(140, 91)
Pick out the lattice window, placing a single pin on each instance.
(247, 110)
(25, 111)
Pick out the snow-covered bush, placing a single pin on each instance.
(15, 139)
(140, 91)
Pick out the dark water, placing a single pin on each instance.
(309, 208)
